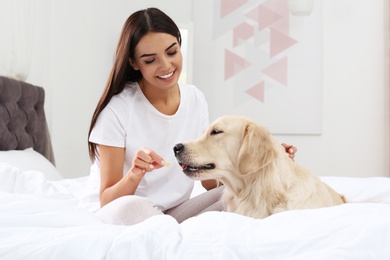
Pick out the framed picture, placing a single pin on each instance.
(255, 59)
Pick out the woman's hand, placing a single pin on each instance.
(290, 150)
(112, 182)
(146, 160)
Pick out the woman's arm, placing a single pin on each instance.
(112, 182)
(210, 184)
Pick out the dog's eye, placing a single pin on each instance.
(215, 132)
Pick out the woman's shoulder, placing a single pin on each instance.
(129, 90)
(193, 97)
(128, 93)
(191, 90)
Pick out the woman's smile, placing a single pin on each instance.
(167, 76)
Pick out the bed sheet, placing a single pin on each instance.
(41, 219)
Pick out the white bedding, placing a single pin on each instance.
(41, 219)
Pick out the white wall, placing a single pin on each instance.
(84, 42)
(355, 136)
(355, 140)
(356, 98)
(80, 39)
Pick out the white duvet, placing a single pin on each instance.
(42, 219)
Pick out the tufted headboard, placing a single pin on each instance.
(22, 118)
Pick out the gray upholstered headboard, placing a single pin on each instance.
(22, 118)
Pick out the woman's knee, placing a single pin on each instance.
(128, 210)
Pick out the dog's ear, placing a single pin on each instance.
(257, 149)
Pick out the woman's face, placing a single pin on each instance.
(158, 58)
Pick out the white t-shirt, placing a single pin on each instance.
(131, 122)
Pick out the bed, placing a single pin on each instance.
(41, 216)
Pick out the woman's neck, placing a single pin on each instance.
(166, 101)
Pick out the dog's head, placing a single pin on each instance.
(232, 146)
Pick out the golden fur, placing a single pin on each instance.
(259, 177)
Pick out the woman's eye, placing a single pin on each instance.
(172, 53)
(149, 61)
(215, 132)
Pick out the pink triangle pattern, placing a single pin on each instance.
(269, 20)
(281, 8)
(242, 32)
(263, 16)
(257, 91)
(279, 42)
(228, 6)
(234, 64)
(278, 71)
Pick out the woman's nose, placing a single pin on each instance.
(165, 63)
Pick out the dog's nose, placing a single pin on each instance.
(178, 148)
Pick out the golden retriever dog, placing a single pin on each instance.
(259, 177)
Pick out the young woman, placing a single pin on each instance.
(141, 115)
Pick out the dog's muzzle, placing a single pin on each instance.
(179, 149)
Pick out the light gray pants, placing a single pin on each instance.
(130, 210)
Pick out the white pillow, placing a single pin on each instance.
(29, 159)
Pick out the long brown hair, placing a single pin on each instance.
(136, 26)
